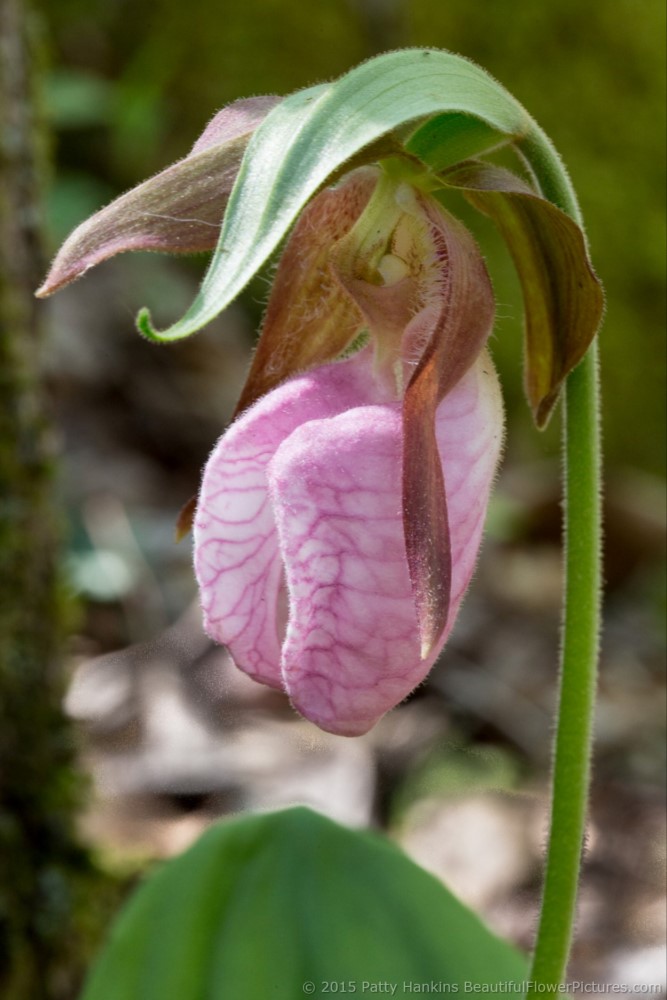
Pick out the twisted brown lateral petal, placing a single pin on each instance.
(463, 324)
(437, 314)
(563, 298)
(177, 211)
(309, 319)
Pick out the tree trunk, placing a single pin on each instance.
(41, 867)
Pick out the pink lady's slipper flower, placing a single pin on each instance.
(340, 516)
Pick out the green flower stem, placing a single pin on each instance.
(581, 627)
(571, 770)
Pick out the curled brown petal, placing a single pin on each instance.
(464, 322)
(177, 211)
(436, 315)
(563, 297)
(309, 319)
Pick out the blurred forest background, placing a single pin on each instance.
(169, 735)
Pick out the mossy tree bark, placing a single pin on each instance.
(42, 869)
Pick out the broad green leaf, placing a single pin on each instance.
(563, 297)
(262, 905)
(305, 141)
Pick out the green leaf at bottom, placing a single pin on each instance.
(262, 906)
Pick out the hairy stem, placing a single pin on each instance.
(581, 627)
